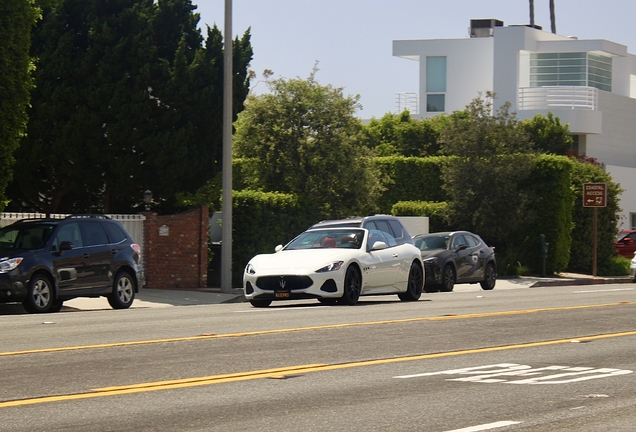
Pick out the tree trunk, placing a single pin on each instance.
(531, 13)
(552, 17)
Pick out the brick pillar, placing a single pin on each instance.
(176, 249)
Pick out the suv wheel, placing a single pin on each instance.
(123, 291)
(39, 295)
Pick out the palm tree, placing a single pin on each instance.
(531, 13)
(552, 17)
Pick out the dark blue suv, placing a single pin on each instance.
(44, 262)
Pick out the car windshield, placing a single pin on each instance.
(621, 235)
(25, 237)
(432, 242)
(334, 238)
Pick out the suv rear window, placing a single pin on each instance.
(94, 234)
(115, 232)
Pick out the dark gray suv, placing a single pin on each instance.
(44, 262)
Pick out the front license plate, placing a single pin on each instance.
(282, 294)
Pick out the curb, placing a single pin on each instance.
(581, 281)
(238, 299)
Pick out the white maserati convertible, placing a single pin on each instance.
(335, 265)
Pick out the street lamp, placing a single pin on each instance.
(148, 199)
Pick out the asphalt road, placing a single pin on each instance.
(540, 359)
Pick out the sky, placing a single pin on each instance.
(351, 40)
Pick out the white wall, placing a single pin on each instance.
(469, 67)
(625, 177)
(616, 145)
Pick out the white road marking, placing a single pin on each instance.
(509, 373)
(485, 426)
(605, 290)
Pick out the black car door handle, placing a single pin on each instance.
(86, 255)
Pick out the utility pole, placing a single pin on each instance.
(226, 213)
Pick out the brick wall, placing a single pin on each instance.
(176, 249)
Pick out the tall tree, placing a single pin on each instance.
(552, 17)
(16, 20)
(532, 13)
(548, 134)
(127, 99)
(303, 138)
(491, 161)
(401, 134)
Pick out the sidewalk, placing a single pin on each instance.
(562, 279)
(146, 298)
(165, 298)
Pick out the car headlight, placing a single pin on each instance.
(431, 260)
(330, 267)
(8, 264)
(249, 269)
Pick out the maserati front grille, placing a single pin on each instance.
(287, 282)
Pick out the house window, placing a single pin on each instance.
(632, 219)
(435, 84)
(571, 69)
(435, 102)
(574, 147)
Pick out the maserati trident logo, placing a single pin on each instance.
(282, 282)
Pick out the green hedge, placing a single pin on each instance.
(607, 221)
(551, 184)
(414, 188)
(435, 211)
(410, 179)
(260, 221)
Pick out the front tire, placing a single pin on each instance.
(123, 291)
(57, 306)
(490, 277)
(414, 284)
(448, 279)
(352, 287)
(39, 295)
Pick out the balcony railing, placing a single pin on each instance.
(558, 97)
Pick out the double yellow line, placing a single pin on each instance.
(284, 372)
(299, 329)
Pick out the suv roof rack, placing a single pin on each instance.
(87, 216)
(42, 219)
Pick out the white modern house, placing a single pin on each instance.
(589, 84)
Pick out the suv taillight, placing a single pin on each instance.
(136, 248)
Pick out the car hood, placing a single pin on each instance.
(300, 261)
(10, 253)
(432, 253)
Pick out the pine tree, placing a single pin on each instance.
(126, 99)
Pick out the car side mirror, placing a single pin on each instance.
(277, 248)
(628, 240)
(66, 245)
(379, 245)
